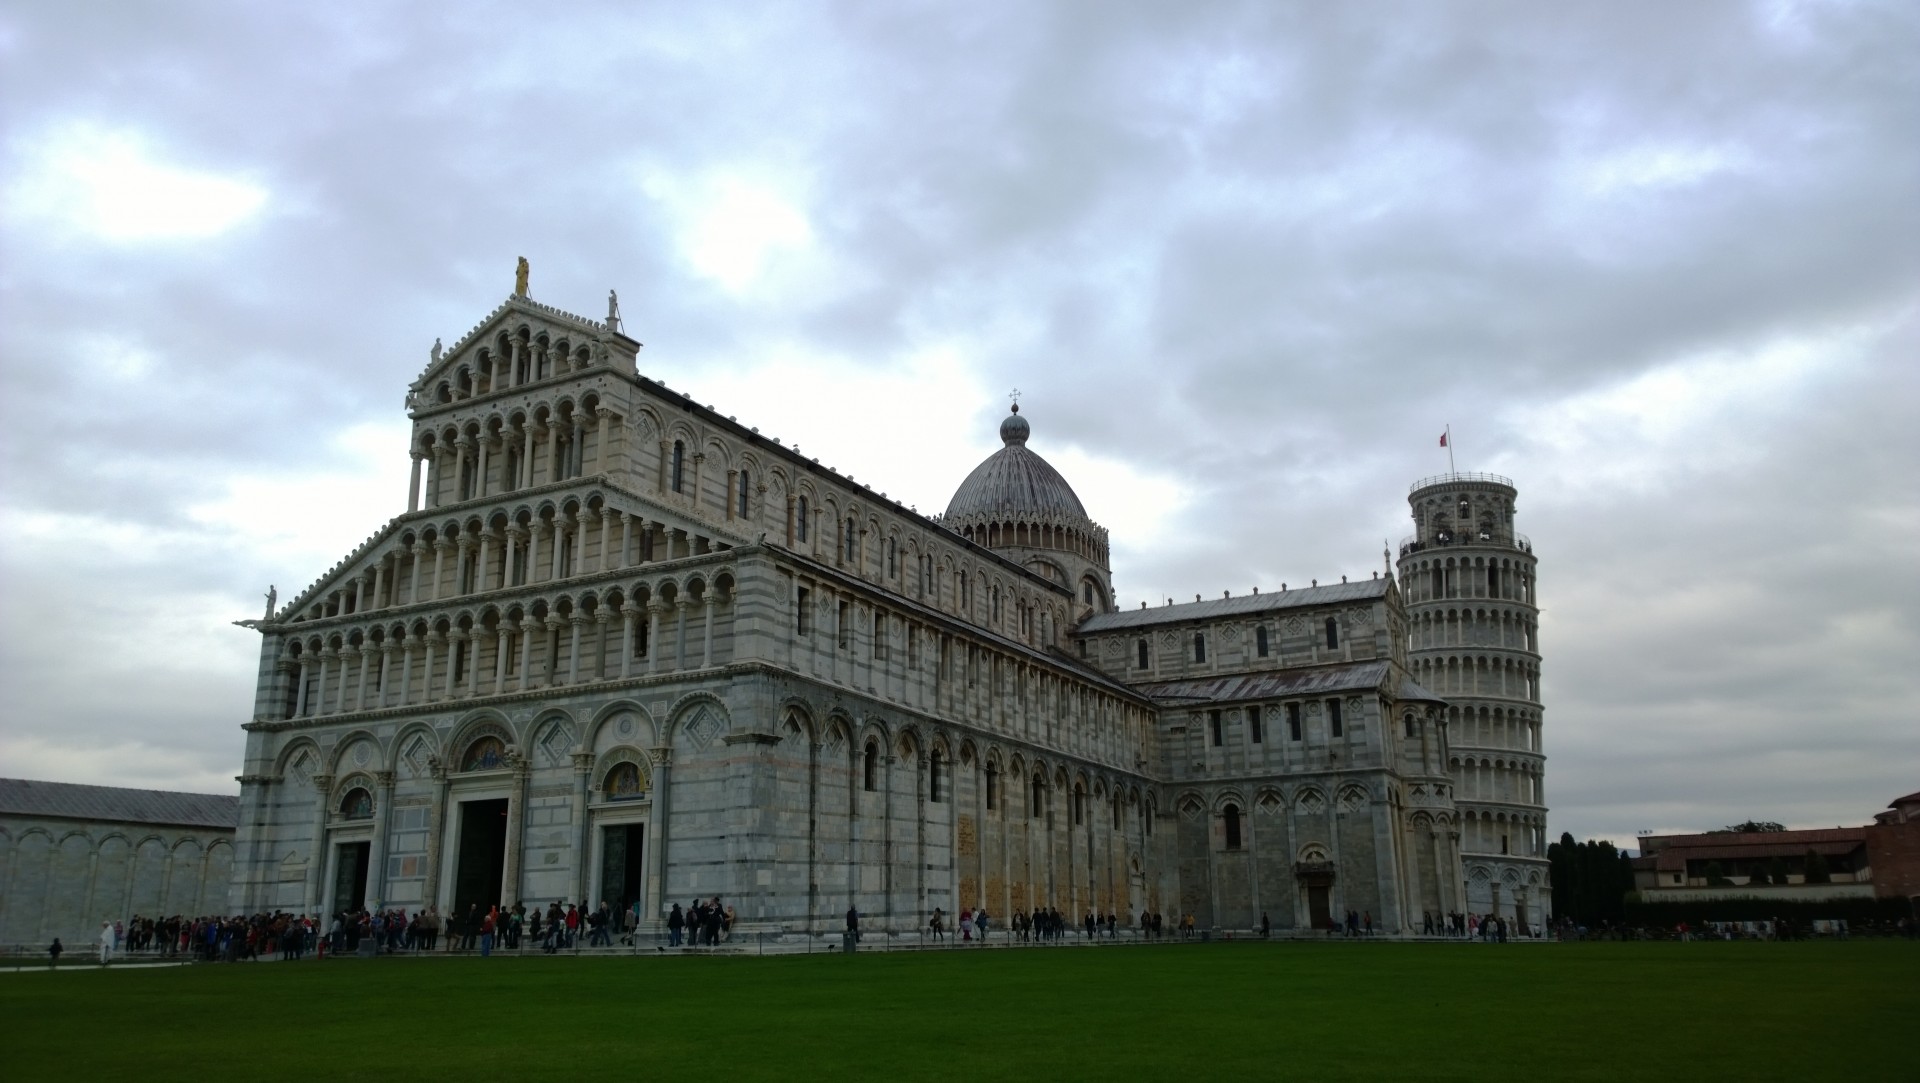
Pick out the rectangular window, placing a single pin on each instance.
(913, 647)
(1260, 641)
(880, 633)
(1293, 721)
(1255, 725)
(845, 627)
(1333, 718)
(1213, 723)
(1333, 634)
(803, 611)
(1199, 646)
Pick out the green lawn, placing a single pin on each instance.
(1672, 1012)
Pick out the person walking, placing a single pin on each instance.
(53, 954)
(106, 942)
(676, 921)
(938, 924)
(487, 924)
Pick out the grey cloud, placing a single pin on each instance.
(1264, 249)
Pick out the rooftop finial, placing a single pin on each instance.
(520, 272)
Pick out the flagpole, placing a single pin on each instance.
(1450, 468)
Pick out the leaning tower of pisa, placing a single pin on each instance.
(1473, 624)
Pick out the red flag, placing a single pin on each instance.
(1443, 439)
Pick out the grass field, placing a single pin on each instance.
(1672, 1012)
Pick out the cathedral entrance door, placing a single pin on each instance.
(350, 876)
(1318, 911)
(622, 869)
(483, 855)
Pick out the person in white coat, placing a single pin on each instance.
(106, 942)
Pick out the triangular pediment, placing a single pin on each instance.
(524, 316)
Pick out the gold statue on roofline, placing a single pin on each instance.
(520, 271)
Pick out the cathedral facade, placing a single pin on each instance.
(620, 647)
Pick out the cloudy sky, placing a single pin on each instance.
(1659, 263)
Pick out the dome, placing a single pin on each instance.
(1014, 483)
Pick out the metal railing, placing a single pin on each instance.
(1451, 479)
(1484, 539)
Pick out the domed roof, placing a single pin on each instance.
(1014, 482)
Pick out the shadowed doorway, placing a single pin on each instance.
(483, 855)
(621, 867)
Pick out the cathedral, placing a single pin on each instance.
(621, 647)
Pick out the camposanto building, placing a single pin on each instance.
(622, 647)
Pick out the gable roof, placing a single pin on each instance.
(1318, 680)
(1245, 605)
(526, 306)
(71, 801)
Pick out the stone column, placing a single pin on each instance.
(320, 687)
(436, 828)
(474, 638)
(654, 608)
(511, 877)
(300, 690)
(517, 363)
(500, 659)
(528, 627)
(526, 454)
(574, 624)
(627, 616)
(460, 567)
(486, 456)
(626, 540)
(600, 620)
(453, 638)
(486, 562)
(577, 452)
(538, 531)
(460, 468)
(385, 691)
(580, 543)
(600, 451)
(377, 853)
(441, 546)
(316, 860)
(413, 484)
(706, 631)
(512, 547)
(559, 539)
(582, 771)
(554, 473)
(658, 836)
(681, 606)
(365, 652)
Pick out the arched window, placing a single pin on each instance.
(623, 783)
(1079, 806)
(1413, 728)
(800, 517)
(852, 537)
(1260, 640)
(993, 785)
(484, 754)
(1199, 646)
(357, 804)
(740, 496)
(893, 559)
(1230, 817)
(871, 771)
(1333, 634)
(933, 776)
(1039, 795)
(679, 465)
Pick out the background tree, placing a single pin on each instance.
(1590, 880)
